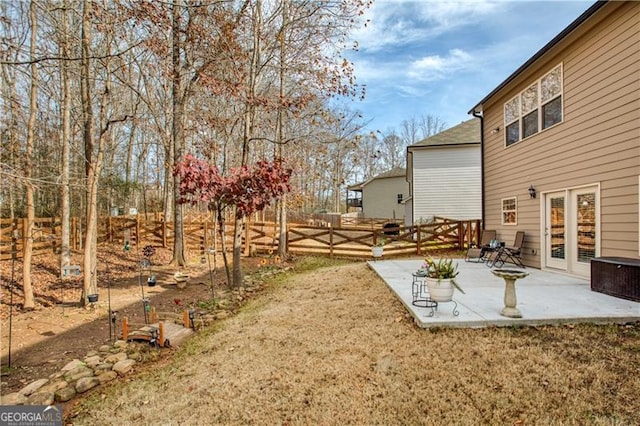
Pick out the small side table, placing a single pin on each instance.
(420, 293)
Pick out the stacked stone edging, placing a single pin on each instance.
(116, 360)
(79, 376)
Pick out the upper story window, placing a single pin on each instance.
(536, 108)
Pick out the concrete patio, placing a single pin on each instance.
(543, 298)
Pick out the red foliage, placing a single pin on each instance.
(250, 190)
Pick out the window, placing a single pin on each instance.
(536, 108)
(399, 198)
(509, 211)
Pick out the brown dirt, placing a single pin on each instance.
(335, 346)
(331, 346)
(59, 330)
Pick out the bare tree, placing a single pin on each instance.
(392, 150)
(430, 125)
(178, 106)
(65, 141)
(29, 302)
(410, 131)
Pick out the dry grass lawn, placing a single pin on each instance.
(334, 346)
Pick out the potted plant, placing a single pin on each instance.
(378, 248)
(440, 278)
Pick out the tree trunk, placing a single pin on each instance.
(8, 86)
(29, 302)
(65, 214)
(178, 103)
(223, 243)
(167, 190)
(282, 240)
(237, 249)
(89, 257)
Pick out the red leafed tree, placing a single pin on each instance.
(247, 189)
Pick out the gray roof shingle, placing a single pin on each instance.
(464, 133)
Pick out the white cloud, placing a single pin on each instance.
(435, 67)
(370, 71)
(440, 58)
(394, 22)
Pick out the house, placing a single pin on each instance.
(382, 196)
(443, 172)
(561, 144)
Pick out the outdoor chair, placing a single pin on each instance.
(509, 254)
(479, 253)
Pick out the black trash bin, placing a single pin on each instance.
(391, 228)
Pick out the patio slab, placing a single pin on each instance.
(543, 298)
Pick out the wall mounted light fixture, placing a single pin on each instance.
(532, 192)
(494, 131)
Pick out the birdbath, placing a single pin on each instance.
(510, 276)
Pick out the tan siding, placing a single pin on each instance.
(597, 143)
(614, 37)
(557, 143)
(379, 198)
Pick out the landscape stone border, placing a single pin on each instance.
(115, 360)
(79, 376)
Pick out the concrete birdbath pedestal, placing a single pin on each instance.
(510, 276)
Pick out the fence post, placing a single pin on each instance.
(330, 241)
(52, 235)
(185, 319)
(286, 237)
(125, 328)
(205, 231)
(247, 243)
(419, 240)
(161, 337)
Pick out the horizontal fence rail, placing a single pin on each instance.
(201, 234)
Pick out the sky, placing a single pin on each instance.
(440, 58)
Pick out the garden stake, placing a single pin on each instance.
(13, 271)
(112, 314)
(145, 301)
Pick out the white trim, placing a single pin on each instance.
(502, 211)
(569, 191)
(522, 113)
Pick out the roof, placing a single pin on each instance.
(395, 172)
(467, 132)
(557, 39)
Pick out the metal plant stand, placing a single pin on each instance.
(435, 308)
(420, 293)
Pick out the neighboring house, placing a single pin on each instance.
(561, 144)
(383, 195)
(443, 172)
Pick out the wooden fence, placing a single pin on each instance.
(348, 241)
